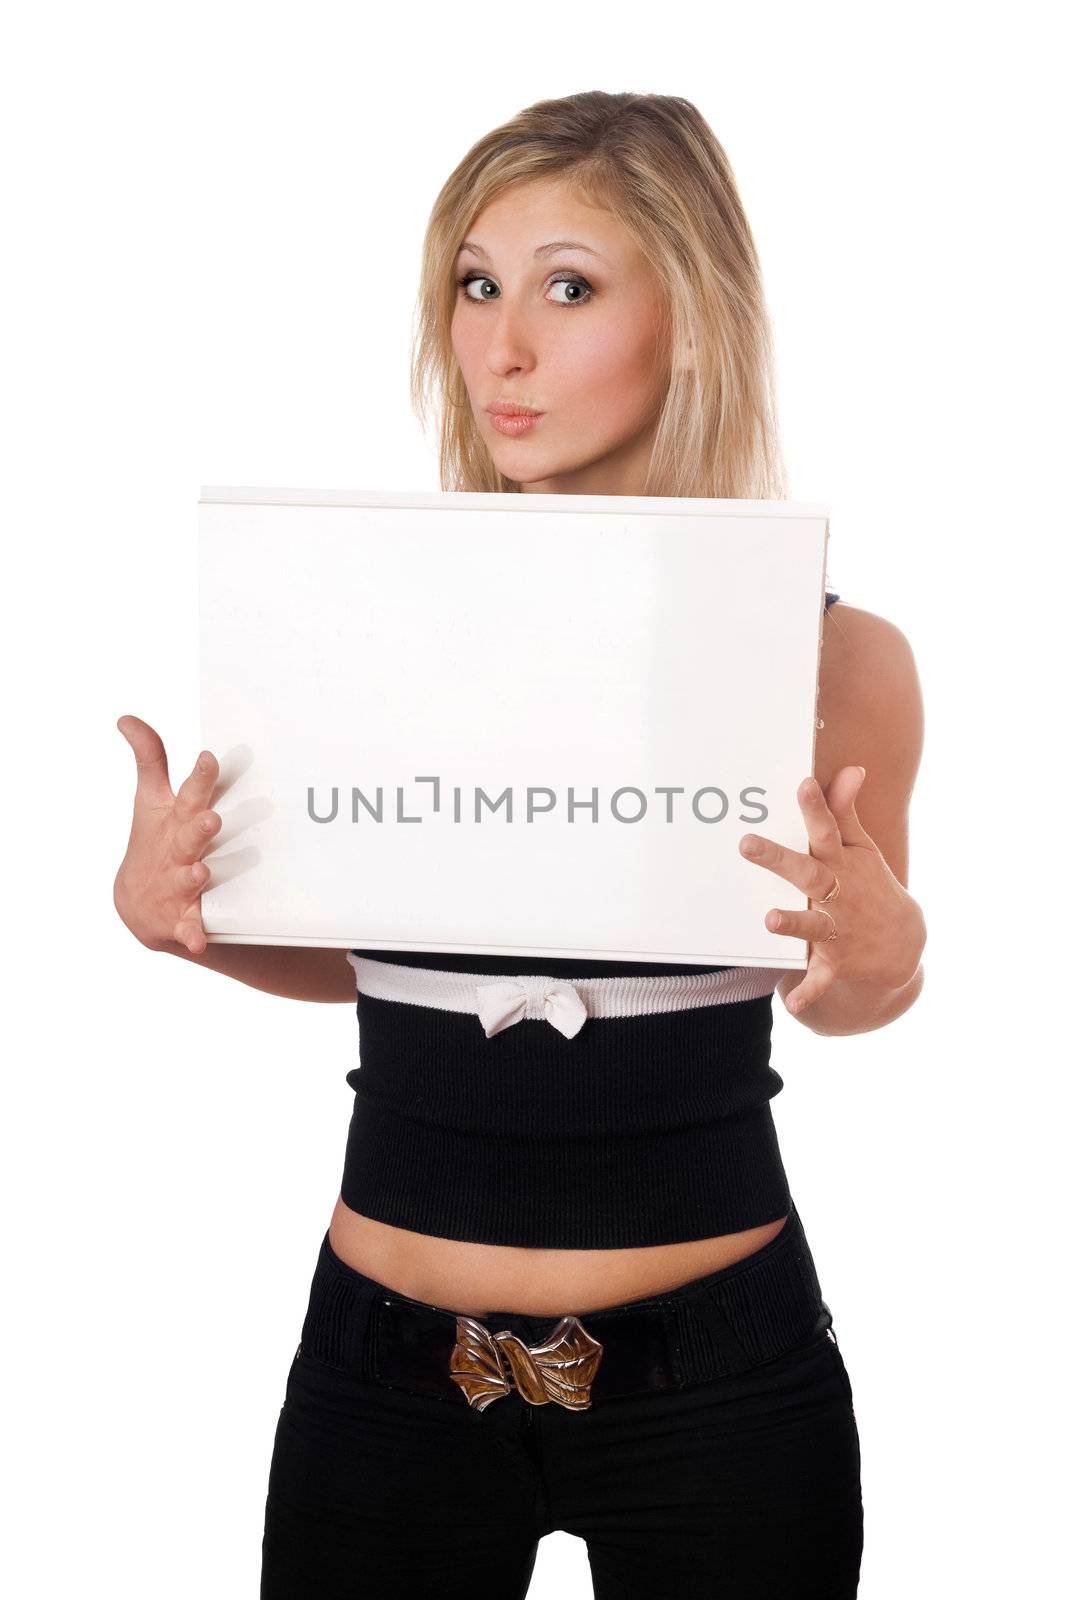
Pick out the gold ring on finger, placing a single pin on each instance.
(834, 892)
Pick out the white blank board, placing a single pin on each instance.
(381, 670)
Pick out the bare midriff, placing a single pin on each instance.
(479, 1278)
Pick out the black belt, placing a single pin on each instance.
(721, 1324)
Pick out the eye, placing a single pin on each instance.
(568, 281)
(572, 281)
(473, 277)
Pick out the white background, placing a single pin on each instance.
(213, 217)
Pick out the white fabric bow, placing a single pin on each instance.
(511, 999)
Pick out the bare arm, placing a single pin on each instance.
(294, 971)
(871, 700)
(162, 877)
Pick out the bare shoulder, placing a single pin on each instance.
(859, 648)
(870, 705)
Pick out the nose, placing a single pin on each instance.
(510, 348)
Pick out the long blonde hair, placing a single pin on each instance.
(653, 162)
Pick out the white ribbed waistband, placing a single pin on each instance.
(563, 1002)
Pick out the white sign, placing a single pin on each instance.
(519, 724)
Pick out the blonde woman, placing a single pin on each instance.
(565, 1284)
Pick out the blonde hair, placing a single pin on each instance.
(653, 162)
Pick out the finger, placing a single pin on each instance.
(815, 926)
(192, 879)
(192, 838)
(195, 793)
(153, 776)
(819, 820)
(842, 796)
(806, 872)
(189, 931)
(818, 980)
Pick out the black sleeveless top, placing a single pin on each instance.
(639, 1130)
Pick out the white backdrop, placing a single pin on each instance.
(213, 222)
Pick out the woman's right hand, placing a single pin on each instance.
(159, 884)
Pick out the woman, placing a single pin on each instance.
(564, 1284)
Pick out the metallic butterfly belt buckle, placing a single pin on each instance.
(487, 1365)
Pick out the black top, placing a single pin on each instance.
(640, 1130)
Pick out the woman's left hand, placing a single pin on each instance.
(879, 927)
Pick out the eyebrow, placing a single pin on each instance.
(542, 249)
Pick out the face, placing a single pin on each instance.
(569, 332)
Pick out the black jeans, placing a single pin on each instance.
(742, 1487)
